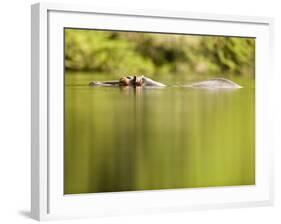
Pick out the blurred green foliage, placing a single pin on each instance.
(157, 54)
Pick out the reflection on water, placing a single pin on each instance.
(144, 139)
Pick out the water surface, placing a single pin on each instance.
(126, 139)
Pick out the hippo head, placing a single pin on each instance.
(131, 81)
(138, 80)
(126, 81)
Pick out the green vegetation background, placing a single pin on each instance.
(123, 53)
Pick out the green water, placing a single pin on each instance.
(145, 139)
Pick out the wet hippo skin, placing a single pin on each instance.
(136, 81)
(216, 83)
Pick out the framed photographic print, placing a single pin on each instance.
(149, 111)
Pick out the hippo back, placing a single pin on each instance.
(216, 83)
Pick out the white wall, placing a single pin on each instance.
(15, 110)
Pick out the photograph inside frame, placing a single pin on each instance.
(152, 111)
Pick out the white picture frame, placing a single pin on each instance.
(47, 198)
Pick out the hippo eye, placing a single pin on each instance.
(128, 77)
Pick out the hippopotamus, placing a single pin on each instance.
(215, 83)
(142, 81)
(135, 81)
